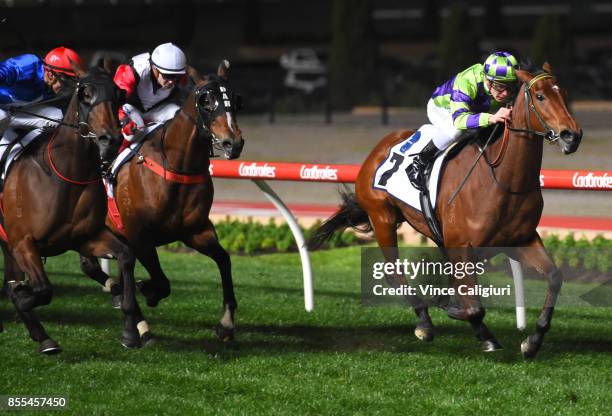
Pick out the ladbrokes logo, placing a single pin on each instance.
(260, 171)
(592, 181)
(315, 172)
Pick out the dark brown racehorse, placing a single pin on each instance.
(54, 201)
(499, 206)
(165, 193)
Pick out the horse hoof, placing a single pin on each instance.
(152, 302)
(49, 347)
(147, 339)
(152, 294)
(130, 341)
(491, 346)
(529, 349)
(117, 301)
(424, 334)
(224, 334)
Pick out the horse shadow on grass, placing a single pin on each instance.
(175, 334)
(452, 340)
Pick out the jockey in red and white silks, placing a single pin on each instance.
(149, 82)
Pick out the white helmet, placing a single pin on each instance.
(169, 59)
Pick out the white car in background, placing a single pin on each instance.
(305, 71)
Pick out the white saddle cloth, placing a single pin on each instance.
(391, 174)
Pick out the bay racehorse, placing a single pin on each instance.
(54, 201)
(165, 192)
(500, 205)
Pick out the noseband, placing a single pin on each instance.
(549, 133)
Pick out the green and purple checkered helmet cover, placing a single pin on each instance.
(501, 67)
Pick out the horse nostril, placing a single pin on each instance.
(566, 135)
(569, 135)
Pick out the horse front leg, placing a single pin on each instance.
(13, 278)
(38, 334)
(158, 287)
(536, 257)
(91, 267)
(471, 309)
(11, 273)
(207, 243)
(37, 291)
(386, 235)
(136, 329)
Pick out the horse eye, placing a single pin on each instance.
(85, 95)
(540, 97)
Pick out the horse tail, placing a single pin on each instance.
(350, 214)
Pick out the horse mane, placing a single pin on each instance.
(98, 71)
(529, 66)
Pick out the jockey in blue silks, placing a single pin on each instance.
(26, 79)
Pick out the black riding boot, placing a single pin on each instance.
(416, 170)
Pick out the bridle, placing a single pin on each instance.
(103, 92)
(549, 134)
(208, 105)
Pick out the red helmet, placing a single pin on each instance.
(58, 60)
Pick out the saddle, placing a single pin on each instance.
(11, 148)
(478, 137)
(129, 152)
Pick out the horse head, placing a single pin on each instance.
(98, 100)
(546, 112)
(216, 106)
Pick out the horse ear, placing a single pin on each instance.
(524, 76)
(78, 71)
(546, 67)
(223, 69)
(194, 74)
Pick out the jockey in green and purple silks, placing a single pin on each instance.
(474, 98)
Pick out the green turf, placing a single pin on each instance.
(341, 359)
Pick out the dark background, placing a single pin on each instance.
(386, 50)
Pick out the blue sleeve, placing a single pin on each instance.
(20, 68)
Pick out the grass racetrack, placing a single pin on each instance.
(341, 359)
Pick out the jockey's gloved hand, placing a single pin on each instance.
(129, 127)
(105, 167)
(49, 126)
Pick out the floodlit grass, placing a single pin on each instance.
(341, 359)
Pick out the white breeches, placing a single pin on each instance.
(442, 119)
(17, 120)
(159, 114)
(156, 115)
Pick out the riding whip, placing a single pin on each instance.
(465, 178)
